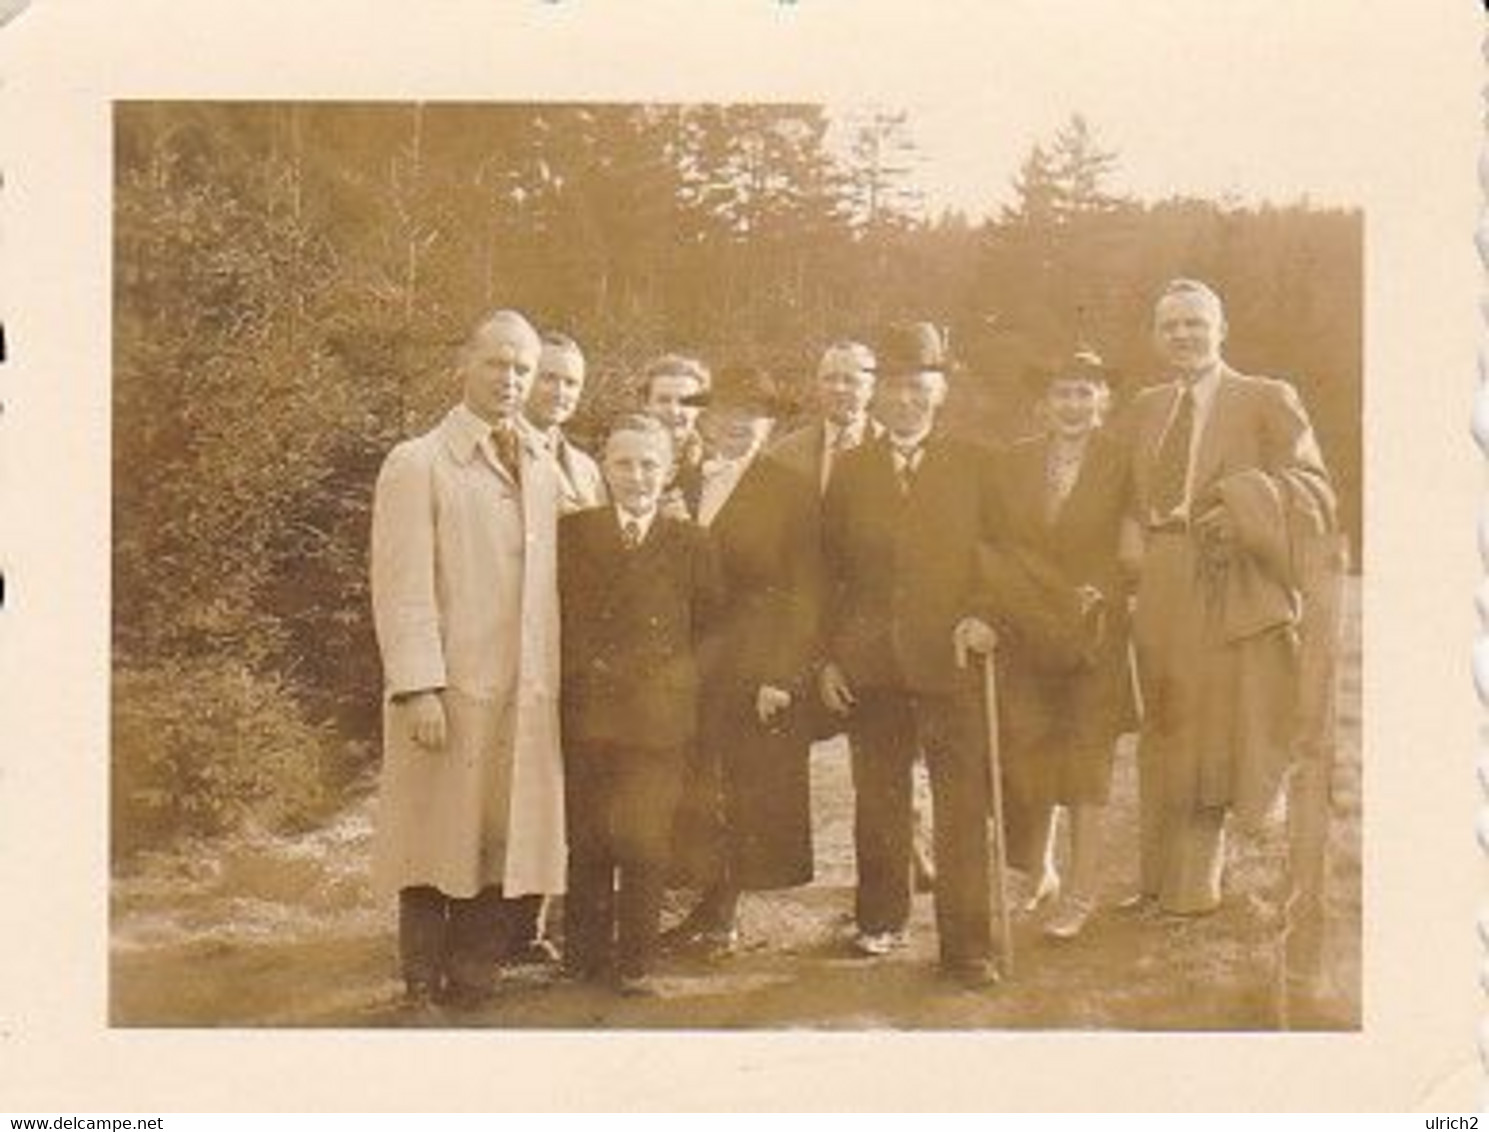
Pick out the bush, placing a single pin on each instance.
(207, 747)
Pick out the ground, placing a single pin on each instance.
(265, 931)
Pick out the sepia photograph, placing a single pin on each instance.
(628, 555)
(705, 565)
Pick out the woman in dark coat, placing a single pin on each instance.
(1066, 689)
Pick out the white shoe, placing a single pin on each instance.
(1070, 917)
(1047, 892)
(878, 944)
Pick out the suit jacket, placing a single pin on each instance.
(1078, 544)
(581, 485)
(1216, 626)
(1257, 436)
(797, 456)
(631, 626)
(903, 568)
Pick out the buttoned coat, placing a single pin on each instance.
(464, 599)
(902, 569)
(632, 621)
(1058, 723)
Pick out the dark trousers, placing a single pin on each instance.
(619, 807)
(452, 940)
(886, 729)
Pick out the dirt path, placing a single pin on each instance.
(273, 932)
(276, 938)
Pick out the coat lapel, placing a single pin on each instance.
(1207, 457)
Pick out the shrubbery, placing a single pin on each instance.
(209, 747)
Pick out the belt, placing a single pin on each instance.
(1173, 526)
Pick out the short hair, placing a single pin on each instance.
(1183, 286)
(861, 356)
(643, 423)
(674, 365)
(503, 316)
(557, 340)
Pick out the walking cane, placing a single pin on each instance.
(1000, 844)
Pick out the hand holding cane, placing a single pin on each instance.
(971, 636)
(1000, 844)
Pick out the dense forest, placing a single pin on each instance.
(291, 279)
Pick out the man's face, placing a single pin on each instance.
(1073, 406)
(637, 466)
(908, 403)
(497, 369)
(844, 389)
(1188, 330)
(732, 433)
(556, 388)
(664, 401)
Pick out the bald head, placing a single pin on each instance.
(497, 364)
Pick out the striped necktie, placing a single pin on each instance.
(1171, 465)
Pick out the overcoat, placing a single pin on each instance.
(765, 632)
(464, 599)
(1060, 720)
(1216, 630)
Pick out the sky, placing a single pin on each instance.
(1228, 105)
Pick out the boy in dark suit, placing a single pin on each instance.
(633, 585)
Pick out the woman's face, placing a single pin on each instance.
(1073, 406)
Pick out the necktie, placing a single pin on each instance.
(906, 463)
(508, 451)
(630, 534)
(842, 441)
(1171, 466)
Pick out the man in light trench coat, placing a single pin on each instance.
(464, 594)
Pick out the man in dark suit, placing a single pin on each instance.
(845, 385)
(634, 587)
(750, 805)
(903, 522)
(844, 389)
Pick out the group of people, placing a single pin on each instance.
(604, 673)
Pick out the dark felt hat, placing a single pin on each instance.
(743, 387)
(912, 347)
(1085, 364)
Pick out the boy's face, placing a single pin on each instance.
(637, 466)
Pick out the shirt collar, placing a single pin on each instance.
(1203, 388)
(463, 432)
(907, 444)
(853, 434)
(622, 517)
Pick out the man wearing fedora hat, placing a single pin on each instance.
(753, 736)
(904, 520)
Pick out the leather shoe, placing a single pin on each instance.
(971, 974)
(638, 986)
(534, 953)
